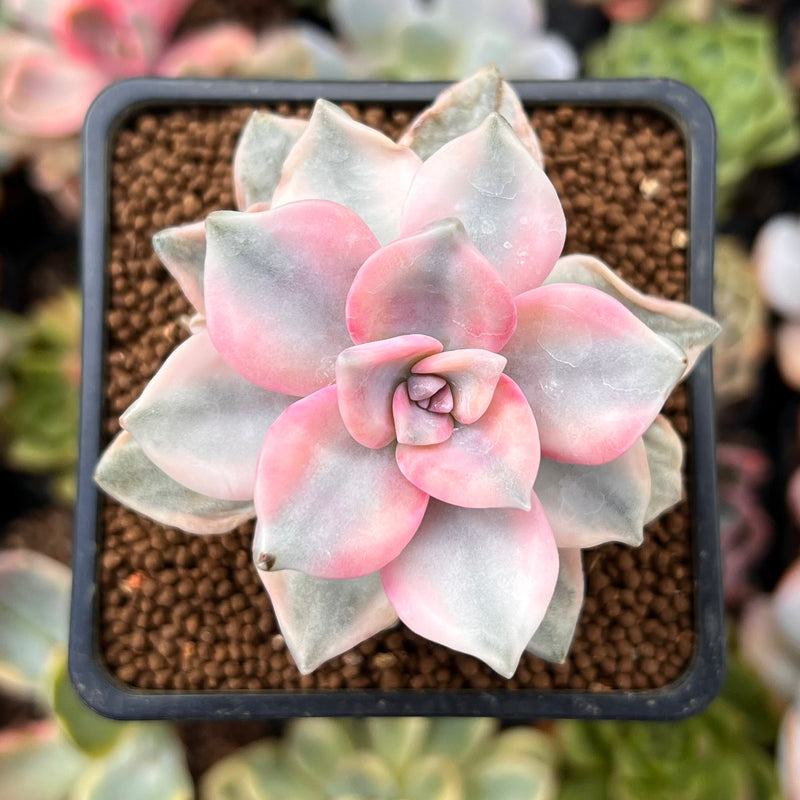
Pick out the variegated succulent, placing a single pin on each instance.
(428, 412)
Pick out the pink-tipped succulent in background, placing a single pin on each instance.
(427, 410)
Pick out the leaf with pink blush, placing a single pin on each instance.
(788, 751)
(591, 505)
(508, 206)
(476, 580)
(182, 250)
(366, 377)
(260, 154)
(415, 426)
(43, 94)
(202, 423)
(690, 329)
(787, 353)
(434, 283)
(275, 285)
(326, 505)
(489, 464)
(554, 636)
(463, 106)
(342, 160)
(321, 618)
(125, 473)
(472, 376)
(213, 50)
(595, 376)
(665, 460)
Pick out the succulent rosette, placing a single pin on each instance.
(427, 411)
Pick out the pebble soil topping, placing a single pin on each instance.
(188, 612)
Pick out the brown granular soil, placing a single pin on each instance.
(188, 612)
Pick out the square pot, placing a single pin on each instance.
(160, 624)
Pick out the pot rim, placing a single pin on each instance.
(688, 695)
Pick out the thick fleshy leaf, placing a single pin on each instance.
(399, 741)
(214, 50)
(595, 376)
(416, 426)
(321, 618)
(148, 764)
(472, 376)
(508, 206)
(276, 283)
(263, 146)
(202, 423)
(787, 352)
(127, 474)
(489, 464)
(591, 505)
(513, 777)
(37, 763)
(361, 775)
(665, 460)
(342, 160)
(326, 505)
(476, 580)
(314, 747)
(690, 329)
(461, 738)
(43, 94)
(435, 283)
(366, 377)
(434, 777)
(182, 250)
(553, 637)
(363, 22)
(788, 754)
(545, 57)
(34, 619)
(775, 255)
(465, 105)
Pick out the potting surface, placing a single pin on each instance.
(184, 612)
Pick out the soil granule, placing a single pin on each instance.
(188, 612)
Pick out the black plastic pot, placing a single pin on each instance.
(686, 696)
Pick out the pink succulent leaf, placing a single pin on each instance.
(127, 474)
(554, 636)
(472, 376)
(775, 256)
(510, 210)
(321, 618)
(690, 329)
(665, 460)
(202, 423)
(489, 464)
(366, 377)
(276, 283)
(182, 250)
(416, 426)
(787, 353)
(342, 160)
(326, 505)
(44, 95)
(595, 376)
(591, 505)
(762, 646)
(788, 752)
(476, 580)
(465, 105)
(434, 283)
(262, 149)
(213, 51)
(786, 606)
(34, 620)
(37, 761)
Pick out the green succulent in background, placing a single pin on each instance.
(39, 379)
(71, 753)
(725, 752)
(732, 60)
(389, 759)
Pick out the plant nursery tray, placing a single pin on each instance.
(169, 625)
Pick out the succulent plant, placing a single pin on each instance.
(72, 753)
(723, 752)
(775, 255)
(428, 412)
(424, 759)
(731, 60)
